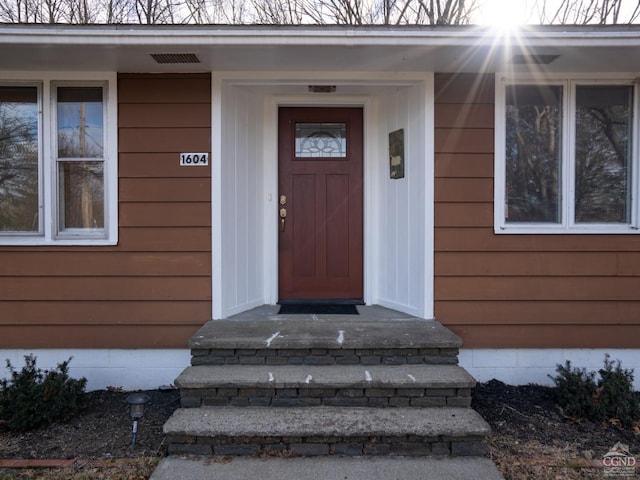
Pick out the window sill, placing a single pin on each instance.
(40, 242)
(561, 230)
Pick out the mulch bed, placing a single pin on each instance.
(531, 438)
(101, 430)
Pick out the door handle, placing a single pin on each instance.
(283, 217)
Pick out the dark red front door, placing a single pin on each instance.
(320, 204)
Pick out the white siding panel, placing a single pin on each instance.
(240, 197)
(229, 272)
(242, 251)
(254, 293)
(404, 217)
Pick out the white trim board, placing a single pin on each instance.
(149, 369)
(523, 366)
(142, 369)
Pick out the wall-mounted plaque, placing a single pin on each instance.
(396, 154)
(194, 159)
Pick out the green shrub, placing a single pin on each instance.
(575, 389)
(615, 396)
(33, 398)
(610, 398)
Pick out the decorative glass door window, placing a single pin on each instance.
(321, 140)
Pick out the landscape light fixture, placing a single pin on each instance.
(136, 402)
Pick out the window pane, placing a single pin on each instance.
(603, 153)
(81, 190)
(317, 140)
(532, 157)
(19, 159)
(80, 122)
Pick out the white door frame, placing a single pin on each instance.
(273, 103)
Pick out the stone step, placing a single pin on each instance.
(325, 356)
(349, 385)
(378, 336)
(327, 468)
(326, 430)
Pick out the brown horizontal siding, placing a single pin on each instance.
(545, 312)
(166, 239)
(548, 336)
(452, 237)
(164, 89)
(63, 263)
(470, 115)
(466, 165)
(454, 190)
(464, 89)
(157, 165)
(537, 288)
(153, 289)
(150, 140)
(106, 288)
(463, 140)
(164, 115)
(132, 336)
(165, 214)
(530, 264)
(165, 190)
(517, 291)
(460, 214)
(120, 312)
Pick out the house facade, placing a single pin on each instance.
(153, 179)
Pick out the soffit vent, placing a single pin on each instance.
(533, 59)
(322, 88)
(175, 57)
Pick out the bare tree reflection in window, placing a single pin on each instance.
(533, 162)
(80, 137)
(19, 184)
(603, 133)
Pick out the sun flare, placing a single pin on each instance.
(503, 14)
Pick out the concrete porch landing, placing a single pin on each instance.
(375, 327)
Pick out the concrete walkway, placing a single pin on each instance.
(326, 468)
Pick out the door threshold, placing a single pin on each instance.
(320, 301)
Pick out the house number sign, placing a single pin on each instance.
(194, 159)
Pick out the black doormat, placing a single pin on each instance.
(318, 309)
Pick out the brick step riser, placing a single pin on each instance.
(315, 446)
(337, 397)
(324, 356)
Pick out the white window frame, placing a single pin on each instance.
(567, 225)
(47, 82)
